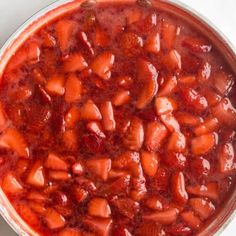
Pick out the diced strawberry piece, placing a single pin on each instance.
(175, 160)
(33, 52)
(200, 166)
(178, 229)
(177, 142)
(77, 168)
(191, 63)
(212, 97)
(208, 126)
(148, 228)
(196, 45)
(108, 119)
(83, 38)
(22, 94)
(126, 207)
(149, 162)
(124, 81)
(99, 207)
(43, 96)
(100, 226)
(64, 32)
(133, 16)
(226, 158)
(11, 185)
(113, 174)
(53, 219)
(164, 105)
(38, 76)
(99, 167)
(134, 136)
(102, 65)
(36, 175)
(188, 119)
(165, 217)
(172, 61)
(225, 113)
(154, 203)
(27, 214)
(70, 232)
(36, 196)
(202, 207)
(93, 143)
(223, 82)
(21, 166)
(72, 117)
(55, 85)
(70, 140)
(101, 39)
(48, 40)
(12, 139)
(146, 24)
(168, 35)
(121, 98)
(96, 128)
(178, 190)
(74, 62)
(204, 143)
(191, 219)
(131, 44)
(37, 207)
(168, 87)
(161, 181)
(59, 175)
(155, 134)
(89, 111)
(55, 162)
(147, 74)
(80, 194)
(152, 43)
(121, 232)
(204, 73)
(187, 80)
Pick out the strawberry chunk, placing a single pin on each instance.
(101, 39)
(223, 83)
(55, 162)
(148, 228)
(152, 43)
(149, 162)
(72, 117)
(208, 126)
(37, 207)
(191, 219)
(3, 117)
(70, 140)
(154, 203)
(70, 232)
(196, 45)
(175, 160)
(177, 142)
(11, 185)
(53, 219)
(149, 22)
(164, 105)
(99, 207)
(89, 111)
(36, 176)
(59, 175)
(168, 35)
(108, 119)
(200, 166)
(161, 181)
(168, 87)
(172, 61)
(212, 97)
(121, 98)
(187, 80)
(96, 128)
(55, 85)
(74, 62)
(133, 16)
(48, 40)
(36, 196)
(204, 73)
(226, 158)
(80, 194)
(170, 122)
(77, 168)
(188, 119)
(93, 143)
(33, 52)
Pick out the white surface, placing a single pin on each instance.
(14, 12)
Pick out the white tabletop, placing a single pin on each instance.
(14, 12)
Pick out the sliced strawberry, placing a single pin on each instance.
(133, 16)
(161, 181)
(188, 119)
(99, 207)
(191, 219)
(72, 116)
(12, 139)
(36, 175)
(70, 140)
(177, 142)
(204, 73)
(149, 162)
(22, 94)
(175, 160)
(154, 203)
(212, 97)
(204, 143)
(33, 52)
(152, 43)
(43, 96)
(36, 196)
(155, 134)
(28, 215)
(122, 97)
(168, 35)
(147, 229)
(168, 87)
(202, 207)
(178, 229)
(55, 85)
(196, 45)
(149, 22)
(113, 174)
(89, 111)
(21, 166)
(108, 119)
(11, 185)
(99, 167)
(172, 61)
(48, 40)
(96, 128)
(139, 187)
(223, 83)
(83, 38)
(187, 80)
(74, 62)
(208, 126)
(55, 162)
(178, 190)
(102, 65)
(164, 105)
(77, 168)
(101, 39)
(200, 166)
(80, 194)
(53, 219)
(37, 207)
(134, 136)
(59, 175)
(165, 217)
(70, 232)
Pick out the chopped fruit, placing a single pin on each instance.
(133, 16)
(124, 81)
(53, 219)
(3, 118)
(37, 207)
(69, 140)
(12, 139)
(95, 128)
(108, 120)
(191, 219)
(155, 134)
(134, 136)
(187, 80)
(196, 45)
(212, 97)
(200, 166)
(93, 143)
(168, 35)
(72, 117)
(99, 167)
(164, 105)
(208, 126)
(202, 207)
(22, 165)
(168, 87)
(28, 214)
(22, 94)
(179, 193)
(101, 39)
(152, 44)
(172, 61)
(175, 160)
(165, 217)
(73, 89)
(36, 196)
(59, 175)
(146, 24)
(223, 83)
(147, 229)
(161, 180)
(154, 203)
(11, 185)
(149, 162)
(55, 85)
(102, 65)
(70, 232)
(74, 62)
(99, 207)
(36, 175)
(131, 44)
(178, 229)
(188, 119)
(204, 143)
(33, 53)
(113, 174)
(226, 158)
(55, 162)
(77, 168)
(170, 122)
(43, 96)
(48, 40)
(177, 142)
(38, 76)
(121, 98)
(209, 190)
(89, 111)
(80, 194)
(204, 73)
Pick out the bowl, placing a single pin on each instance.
(224, 214)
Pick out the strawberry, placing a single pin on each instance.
(178, 190)
(89, 111)
(226, 158)
(133, 16)
(175, 160)
(55, 85)
(187, 80)
(172, 61)
(126, 207)
(12, 139)
(154, 203)
(77, 168)
(113, 174)
(225, 113)
(168, 35)
(99, 167)
(83, 38)
(121, 98)
(208, 126)
(212, 97)
(149, 22)
(152, 43)
(22, 94)
(223, 83)
(150, 162)
(134, 136)
(70, 232)
(188, 119)
(168, 87)
(3, 117)
(72, 116)
(55, 162)
(124, 81)
(53, 219)
(64, 31)
(200, 166)
(204, 73)
(147, 229)
(11, 185)
(43, 96)
(37, 207)
(36, 175)
(48, 40)
(161, 181)
(121, 232)
(70, 140)
(177, 142)
(202, 207)
(191, 219)
(165, 217)
(95, 127)
(33, 52)
(178, 229)
(27, 214)
(147, 75)
(196, 45)
(99, 207)
(204, 143)
(38, 76)
(93, 143)
(59, 175)
(101, 39)
(155, 134)
(80, 194)
(74, 62)
(108, 119)
(36, 196)
(164, 105)
(209, 190)
(102, 65)
(21, 166)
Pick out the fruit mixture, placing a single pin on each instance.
(117, 120)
